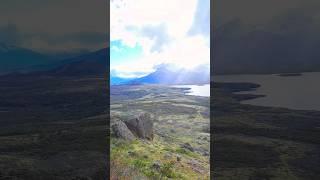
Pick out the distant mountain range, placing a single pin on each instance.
(13, 59)
(165, 74)
(16, 60)
(21, 60)
(94, 63)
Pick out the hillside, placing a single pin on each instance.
(16, 59)
(89, 64)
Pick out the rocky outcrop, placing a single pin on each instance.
(121, 130)
(141, 126)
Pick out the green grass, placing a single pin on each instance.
(177, 118)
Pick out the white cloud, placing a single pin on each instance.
(115, 48)
(161, 27)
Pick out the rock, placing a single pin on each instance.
(156, 165)
(205, 154)
(187, 146)
(196, 166)
(178, 158)
(121, 130)
(167, 156)
(206, 129)
(132, 153)
(141, 126)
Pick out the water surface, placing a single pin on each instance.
(293, 92)
(196, 90)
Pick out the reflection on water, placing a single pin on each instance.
(196, 90)
(293, 92)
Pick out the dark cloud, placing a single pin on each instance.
(54, 25)
(260, 12)
(9, 35)
(281, 41)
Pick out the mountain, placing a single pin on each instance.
(16, 59)
(118, 80)
(166, 74)
(94, 63)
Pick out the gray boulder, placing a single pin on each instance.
(121, 130)
(141, 126)
(187, 146)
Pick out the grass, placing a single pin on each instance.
(176, 120)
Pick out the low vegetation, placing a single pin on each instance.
(53, 127)
(180, 147)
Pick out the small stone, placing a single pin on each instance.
(178, 158)
(156, 165)
(132, 153)
(187, 146)
(167, 156)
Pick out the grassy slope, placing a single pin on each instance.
(178, 119)
(252, 142)
(52, 128)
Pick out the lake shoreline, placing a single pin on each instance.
(292, 91)
(195, 90)
(272, 139)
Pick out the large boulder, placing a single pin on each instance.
(121, 130)
(141, 126)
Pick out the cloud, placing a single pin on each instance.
(46, 42)
(162, 29)
(201, 22)
(188, 53)
(158, 34)
(253, 12)
(10, 35)
(60, 25)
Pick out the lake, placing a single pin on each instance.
(196, 90)
(293, 92)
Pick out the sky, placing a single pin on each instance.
(261, 12)
(54, 25)
(145, 34)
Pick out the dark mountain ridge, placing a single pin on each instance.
(16, 59)
(89, 64)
